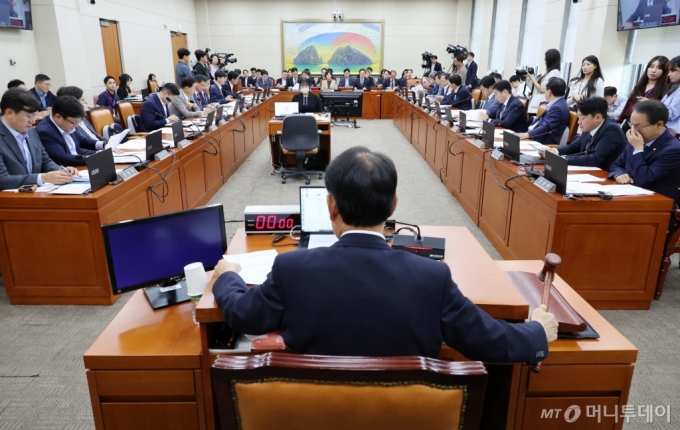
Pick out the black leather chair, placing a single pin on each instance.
(299, 137)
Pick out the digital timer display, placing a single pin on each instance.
(271, 223)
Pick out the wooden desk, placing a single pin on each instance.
(39, 223)
(593, 237)
(161, 347)
(279, 159)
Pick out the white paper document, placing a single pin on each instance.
(321, 240)
(128, 158)
(626, 190)
(581, 168)
(85, 175)
(116, 139)
(80, 188)
(584, 178)
(134, 144)
(255, 266)
(583, 188)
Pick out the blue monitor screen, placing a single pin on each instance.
(148, 251)
(16, 14)
(639, 14)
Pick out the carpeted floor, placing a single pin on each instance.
(42, 378)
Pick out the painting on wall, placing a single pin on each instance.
(315, 45)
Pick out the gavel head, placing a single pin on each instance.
(550, 265)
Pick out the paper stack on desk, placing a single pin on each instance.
(584, 178)
(581, 168)
(614, 190)
(255, 266)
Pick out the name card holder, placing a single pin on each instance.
(497, 154)
(545, 185)
(212, 127)
(127, 173)
(161, 155)
(184, 143)
(479, 144)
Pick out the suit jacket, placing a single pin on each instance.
(261, 83)
(657, 168)
(216, 95)
(637, 14)
(202, 99)
(152, 114)
(462, 99)
(342, 83)
(199, 69)
(513, 117)
(13, 170)
(367, 85)
(333, 85)
(434, 89)
(251, 81)
(313, 103)
(605, 147)
(333, 301)
(490, 105)
(228, 90)
(56, 145)
(471, 75)
(554, 121)
(49, 99)
(105, 99)
(437, 67)
(387, 83)
(178, 107)
(280, 82)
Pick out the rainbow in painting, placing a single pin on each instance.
(335, 45)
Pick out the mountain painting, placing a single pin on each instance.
(335, 45)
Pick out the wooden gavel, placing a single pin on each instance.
(547, 275)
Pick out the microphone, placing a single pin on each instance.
(168, 99)
(159, 115)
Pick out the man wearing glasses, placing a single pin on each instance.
(652, 158)
(59, 133)
(23, 159)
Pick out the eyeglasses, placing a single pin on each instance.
(74, 123)
(638, 128)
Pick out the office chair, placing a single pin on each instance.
(299, 137)
(294, 391)
(101, 119)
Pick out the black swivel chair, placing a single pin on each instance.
(299, 137)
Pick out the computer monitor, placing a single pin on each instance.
(154, 144)
(177, 132)
(286, 108)
(209, 120)
(152, 252)
(556, 171)
(462, 122)
(219, 115)
(314, 215)
(488, 130)
(511, 146)
(145, 93)
(101, 169)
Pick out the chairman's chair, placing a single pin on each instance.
(299, 137)
(290, 391)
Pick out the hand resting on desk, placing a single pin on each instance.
(225, 266)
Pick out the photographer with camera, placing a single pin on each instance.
(536, 96)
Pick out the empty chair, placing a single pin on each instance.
(102, 118)
(475, 96)
(128, 118)
(299, 137)
(290, 391)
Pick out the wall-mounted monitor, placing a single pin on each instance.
(16, 14)
(639, 14)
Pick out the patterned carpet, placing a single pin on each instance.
(42, 378)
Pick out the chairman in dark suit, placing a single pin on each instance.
(602, 140)
(363, 82)
(346, 81)
(307, 101)
(511, 113)
(59, 133)
(23, 159)
(458, 95)
(360, 297)
(550, 127)
(652, 158)
(155, 110)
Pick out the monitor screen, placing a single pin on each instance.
(314, 215)
(639, 14)
(16, 14)
(148, 251)
(286, 108)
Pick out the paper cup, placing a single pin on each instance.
(196, 279)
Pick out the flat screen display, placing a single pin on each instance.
(16, 14)
(640, 14)
(152, 250)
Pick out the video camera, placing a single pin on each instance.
(427, 60)
(455, 50)
(223, 59)
(523, 72)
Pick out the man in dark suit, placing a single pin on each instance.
(283, 80)
(91, 139)
(652, 158)
(155, 110)
(23, 159)
(216, 92)
(360, 297)
(471, 75)
(346, 81)
(201, 66)
(294, 78)
(41, 91)
(229, 85)
(490, 104)
(602, 140)
(458, 95)
(550, 127)
(59, 133)
(391, 82)
(511, 113)
(307, 101)
(436, 65)
(363, 82)
(252, 78)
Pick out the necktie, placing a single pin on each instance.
(165, 109)
(23, 144)
(502, 111)
(69, 142)
(589, 142)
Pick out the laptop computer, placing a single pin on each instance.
(101, 168)
(154, 143)
(651, 15)
(209, 120)
(556, 171)
(283, 109)
(314, 216)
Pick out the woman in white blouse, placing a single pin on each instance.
(214, 65)
(588, 83)
(536, 86)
